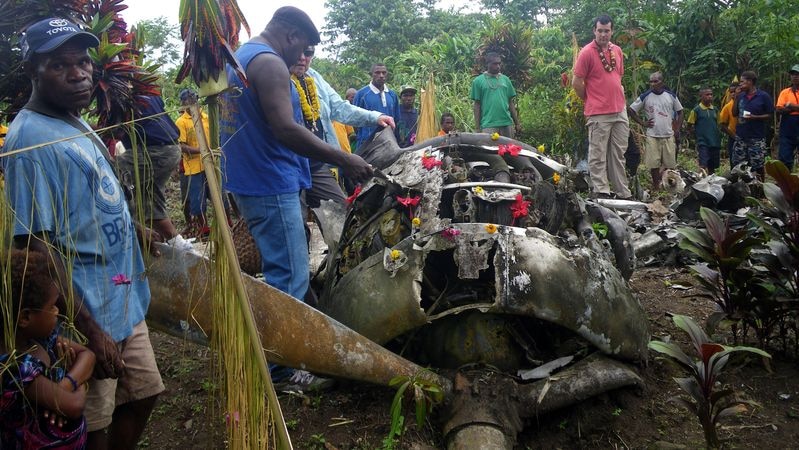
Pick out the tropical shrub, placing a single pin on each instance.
(425, 396)
(704, 399)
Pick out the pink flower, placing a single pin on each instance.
(430, 162)
(235, 418)
(120, 278)
(450, 233)
(354, 195)
(511, 149)
(519, 208)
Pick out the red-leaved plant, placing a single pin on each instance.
(709, 405)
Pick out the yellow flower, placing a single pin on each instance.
(416, 221)
(491, 228)
(478, 190)
(541, 148)
(556, 178)
(494, 136)
(310, 110)
(395, 255)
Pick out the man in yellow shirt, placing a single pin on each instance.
(3, 131)
(193, 165)
(727, 120)
(343, 133)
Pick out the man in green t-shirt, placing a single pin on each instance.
(493, 93)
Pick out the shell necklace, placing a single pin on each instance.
(609, 66)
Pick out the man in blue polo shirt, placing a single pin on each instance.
(376, 96)
(753, 108)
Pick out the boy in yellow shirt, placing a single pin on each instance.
(193, 165)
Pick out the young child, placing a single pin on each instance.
(703, 123)
(43, 375)
(447, 124)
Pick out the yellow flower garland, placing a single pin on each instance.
(310, 111)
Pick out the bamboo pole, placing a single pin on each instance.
(229, 252)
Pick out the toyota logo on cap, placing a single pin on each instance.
(49, 34)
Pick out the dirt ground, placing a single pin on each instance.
(356, 416)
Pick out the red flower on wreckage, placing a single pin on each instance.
(430, 162)
(409, 202)
(520, 207)
(354, 195)
(450, 233)
(510, 149)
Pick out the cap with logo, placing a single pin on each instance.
(407, 88)
(795, 68)
(47, 35)
(297, 17)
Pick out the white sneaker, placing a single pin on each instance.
(179, 243)
(304, 381)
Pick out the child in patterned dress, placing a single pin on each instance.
(42, 374)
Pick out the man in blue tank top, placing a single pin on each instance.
(266, 149)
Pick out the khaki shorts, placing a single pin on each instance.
(156, 165)
(660, 152)
(141, 380)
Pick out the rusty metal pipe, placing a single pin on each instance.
(292, 332)
(488, 412)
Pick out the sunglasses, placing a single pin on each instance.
(308, 53)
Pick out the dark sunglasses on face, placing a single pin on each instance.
(308, 53)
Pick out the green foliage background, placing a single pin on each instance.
(694, 42)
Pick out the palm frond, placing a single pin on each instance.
(210, 30)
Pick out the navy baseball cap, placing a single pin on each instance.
(298, 18)
(47, 35)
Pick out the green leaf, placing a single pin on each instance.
(698, 336)
(775, 195)
(421, 410)
(398, 380)
(716, 228)
(703, 253)
(672, 350)
(692, 388)
(698, 237)
(713, 321)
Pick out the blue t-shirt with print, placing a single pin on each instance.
(69, 191)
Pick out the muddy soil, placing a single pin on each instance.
(356, 416)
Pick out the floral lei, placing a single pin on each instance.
(310, 110)
(609, 67)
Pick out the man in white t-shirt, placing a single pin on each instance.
(662, 119)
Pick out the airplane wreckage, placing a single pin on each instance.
(466, 254)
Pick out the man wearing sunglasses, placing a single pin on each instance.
(331, 108)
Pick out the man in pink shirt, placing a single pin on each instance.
(597, 80)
